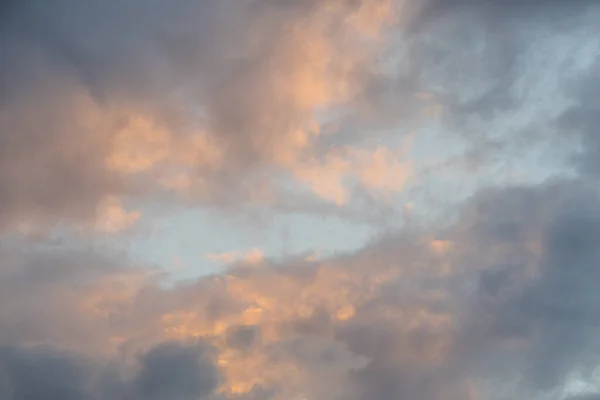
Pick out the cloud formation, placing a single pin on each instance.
(513, 296)
(200, 97)
(109, 108)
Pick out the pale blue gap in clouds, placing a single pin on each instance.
(183, 240)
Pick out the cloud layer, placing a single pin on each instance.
(110, 109)
(511, 294)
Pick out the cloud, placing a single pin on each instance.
(513, 296)
(251, 257)
(196, 99)
(41, 374)
(432, 323)
(173, 371)
(167, 371)
(379, 172)
(590, 396)
(167, 107)
(52, 162)
(509, 75)
(65, 294)
(113, 217)
(109, 106)
(541, 308)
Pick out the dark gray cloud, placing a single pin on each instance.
(589, 396)
(173, 371)
(546, 308)
(243, 337)
(41, 374)
(99, 44)
(167, 371)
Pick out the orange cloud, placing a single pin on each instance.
(113, 218)
(326, 179)
(440, 246)
(209, 127)
(382, 172)
(251, 257)
(139, 146)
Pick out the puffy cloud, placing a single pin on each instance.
(113, 217)
(220, 102)
(513, 295)
(197, 97)
(379, 172)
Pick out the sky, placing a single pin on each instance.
(299, 200)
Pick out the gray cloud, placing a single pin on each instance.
(581, 119)
(42, 289)
(243, 337)
(41, 374)
(522, 293)
(510, 75)
(167, 371)
(548, 306)
(591, 396)
(173, 371)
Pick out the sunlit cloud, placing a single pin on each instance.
(112, 217)
(461, 134)
(250, 257)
